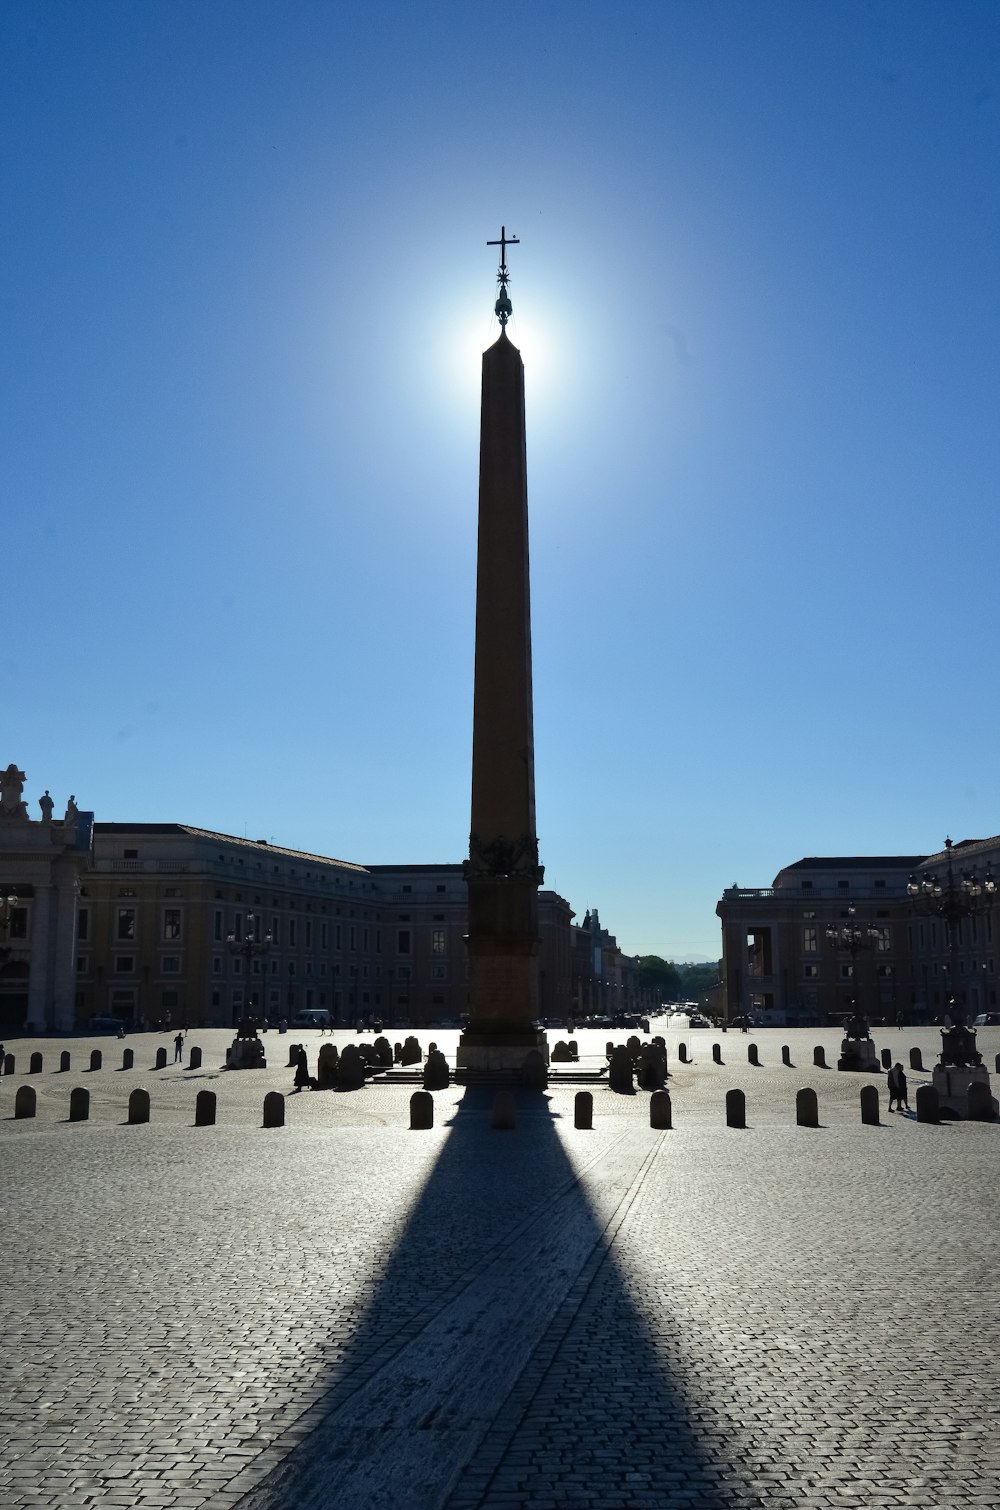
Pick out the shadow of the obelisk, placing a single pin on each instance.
(507, 1246)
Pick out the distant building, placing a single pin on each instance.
(134, 921)
(779, 966)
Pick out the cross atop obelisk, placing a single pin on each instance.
(503, 309)
(502, 871)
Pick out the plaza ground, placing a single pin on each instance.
(342, 1312)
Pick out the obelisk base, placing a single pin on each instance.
(499, 1051)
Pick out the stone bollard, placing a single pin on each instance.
(351, 1069)
(561, 1053)
(24, 1101)
(195, 1063)
(819, 1058)
(8, 1064)
(979, 1104)
(274, 1109)
(608, 1049)
(128, 1058)
(736, 1109)
(583, 1111)
(620, 1071)
(204, 1109)
(806, 1108)
(504, 1111)
(717, 1053)
(682, 1052)
(661, 1113)
(64, 1061)
(138, 1106)
(293, 1055)
(752, 1055)
(161, 1058)
(79, 1104)
(887, 1059)
(412, 1052)
(437, 1074)
(326, 1066)
(383, 1052)
(397, 1053)
(421, 1111)
(927, 1104)
(574, 1050)
(916, 1059)
(534, 1072)
(786, 1056)
(96, 1059)
(869, 1105)
(35, 1064)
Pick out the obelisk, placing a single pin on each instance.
(502, 870)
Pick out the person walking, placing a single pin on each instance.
(178, 1047)
(302, 1076)
(897, 1089)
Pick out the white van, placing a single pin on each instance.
(319, 1018)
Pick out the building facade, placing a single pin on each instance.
(780, 965)
(149, 922)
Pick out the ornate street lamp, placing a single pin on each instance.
(249, 948)
(953, 899)
(855, 939)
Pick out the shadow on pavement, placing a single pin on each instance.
(503, 1352)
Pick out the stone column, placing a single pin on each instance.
(64, 956)
(502, 871)
(39, 980)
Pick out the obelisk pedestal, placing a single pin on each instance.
(502, 870)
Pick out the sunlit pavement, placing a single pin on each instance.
(344, 1312)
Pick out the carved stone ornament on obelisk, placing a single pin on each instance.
(502, 870)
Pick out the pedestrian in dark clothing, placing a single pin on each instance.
(178, 1047)
(897, 1089)
(302, 1078)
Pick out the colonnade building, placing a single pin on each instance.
(147, 922)
(781, 966)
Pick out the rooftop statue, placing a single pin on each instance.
(12, 804)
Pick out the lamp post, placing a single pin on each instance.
(250, 947)
(953, 899)
(853, 938)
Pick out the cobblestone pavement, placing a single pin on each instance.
(344, 1313)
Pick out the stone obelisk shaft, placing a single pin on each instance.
(502, 870)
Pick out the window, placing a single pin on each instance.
(364, 939)
(18, 928)
(337, 936)
(810, 940)
(807, 886)
(437, 940)
(291, 933)
(880, 886)
(843, 885)
(883, 944)
(407, 888)
(81, 964)
(83, 924)
(885, 971)
(169, 998)
(811, 972)
(322, 935)
(130, 854)
(439, 972)
(808, 914)
(439, 888)
(216, 966)
(170, 964)
(403, 941)
(126, 923)
(124, 964)
(171, 923)
(846, 972)
(309, 934)
(352, 941)
(378, 941)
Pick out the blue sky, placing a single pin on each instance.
(245, 295)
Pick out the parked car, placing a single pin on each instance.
(986, 1020)
(106, 1025)
(744, 1020)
